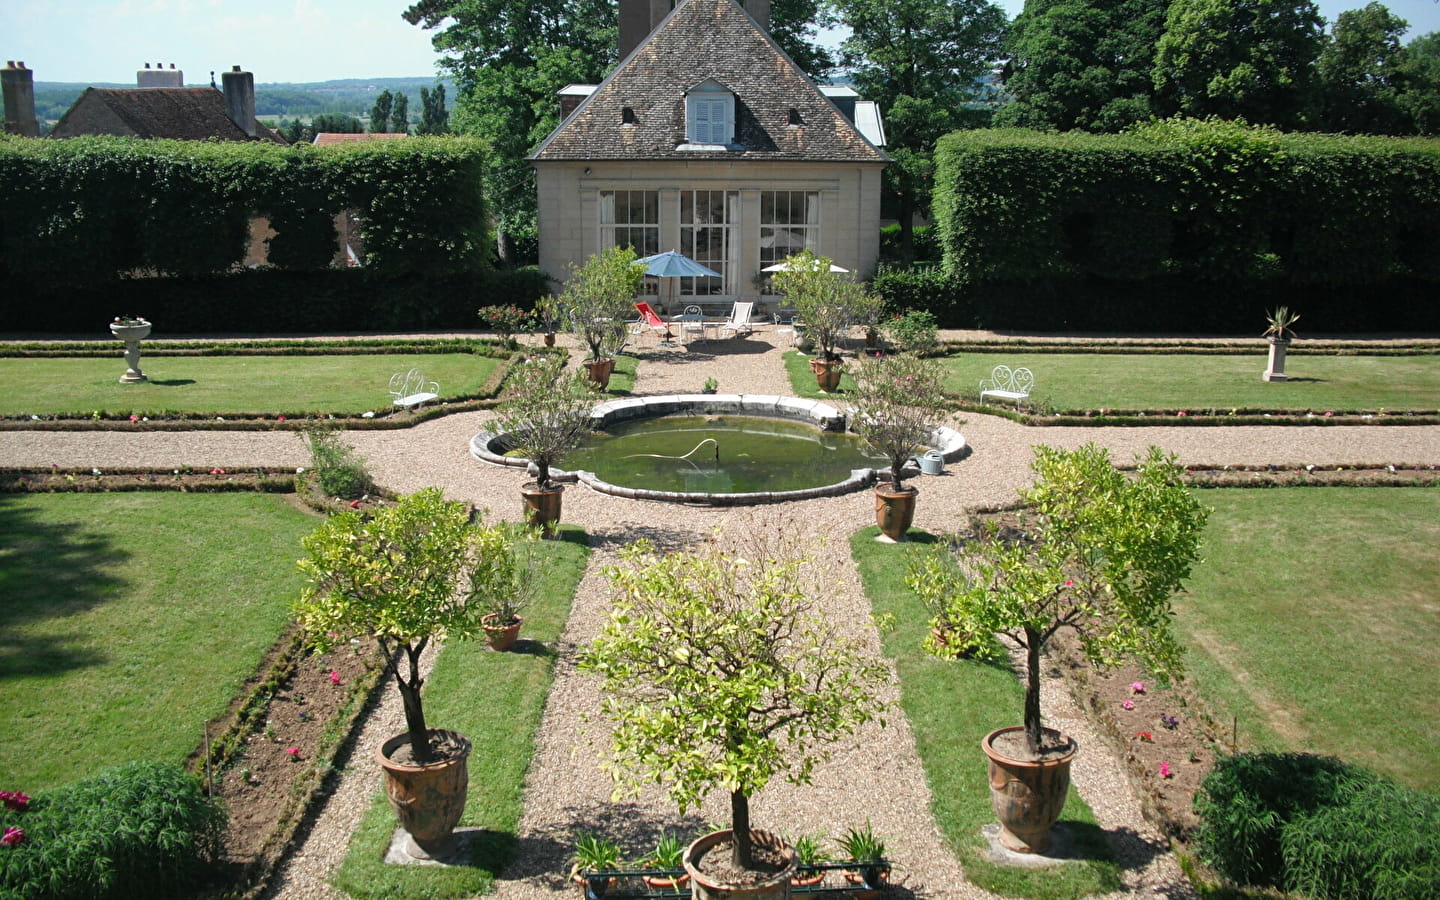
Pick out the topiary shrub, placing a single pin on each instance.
(140, 830)
(1384, 844)
(1247, 800)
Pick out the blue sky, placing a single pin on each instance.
(284, 40)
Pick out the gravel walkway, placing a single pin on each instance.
(565, 791)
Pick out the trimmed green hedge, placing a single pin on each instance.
(1186, 224)
(88, 222)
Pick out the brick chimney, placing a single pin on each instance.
(159, 77)
(19, 91)
(239, 88)
(639, 17)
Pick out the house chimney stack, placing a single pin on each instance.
(637, 19)
(239, 88)
(159, 77)
(19, 92)
(759, 10)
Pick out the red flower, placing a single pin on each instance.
(16, 800)
(12, 837)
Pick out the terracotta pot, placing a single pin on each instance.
(428, 799)
(894, 510)
(869, 881)
(1027, 795)
(598, 370)
(666, 884)
(827, 373)
(498, 636)
(542, 507)
(592, 887)
(549, 338)
(807, 880)
(775, 887)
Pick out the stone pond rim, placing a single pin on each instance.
(490, 447)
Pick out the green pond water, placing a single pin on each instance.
(723, 454)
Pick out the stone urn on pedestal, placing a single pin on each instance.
(132, 330)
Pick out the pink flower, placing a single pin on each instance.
(1181, 413)
(293, 751)
(1165, 770)
(1137, 686)
(1069, 582)
(217, 471)
(1128, 704)
(12, 837)
(334, 677)
(279, 418)
(16, 800)
(134, 418)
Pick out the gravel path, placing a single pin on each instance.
(565, 791)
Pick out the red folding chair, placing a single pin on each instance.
(651, 320)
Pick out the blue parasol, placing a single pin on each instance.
(672, 264)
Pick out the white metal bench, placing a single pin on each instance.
(411, 390)
(1006, 383)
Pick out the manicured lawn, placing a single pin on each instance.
(1315, 620)
(496, 700)
(129, 619)
(951, 707)
(229, 385)
(1074, 381)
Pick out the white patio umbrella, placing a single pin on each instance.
(785, 267)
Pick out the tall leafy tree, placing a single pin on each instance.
(380, 113)
(1358, 69)
(434, 117)
(922, 61)
(1250, 59)
(1082, 64)
(1418, 75)
(400, 113)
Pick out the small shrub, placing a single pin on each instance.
(139, 830)
(1384, 844)
(336, 469)
(1247, 800)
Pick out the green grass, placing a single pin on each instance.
(229, 385)
(951, 706)
(1315, 619)
(128, 620)
(1074, 381)
(496, 699)
(622, 379)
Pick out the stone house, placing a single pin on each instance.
(709, 140)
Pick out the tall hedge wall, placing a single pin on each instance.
(103, 217)
(1190, 225)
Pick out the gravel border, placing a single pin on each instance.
(565, 790)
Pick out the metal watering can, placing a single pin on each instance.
(931, 463)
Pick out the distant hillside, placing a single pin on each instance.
(273, 100)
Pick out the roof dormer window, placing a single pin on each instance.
(710, 114)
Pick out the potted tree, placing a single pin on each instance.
(502, 583)
(506, 321)
(396, 575)
(716, 674)
(828, 303)
(547, 314)
(544, 415)
(1102, 555)
(595, 303)
(896, 408)
(1279, 334)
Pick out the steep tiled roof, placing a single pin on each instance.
(700, 40)
(328, 138)
(187, 114)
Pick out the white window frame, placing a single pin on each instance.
(785, 216)
(625, 221)
(710, 115)
(699, 235)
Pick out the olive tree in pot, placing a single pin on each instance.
(595, 303)
(828, 303)
(896, 407)
(1099, 553)
(545, 414)
(398, 575)
(716, 674)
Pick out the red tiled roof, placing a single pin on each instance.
(326, 138)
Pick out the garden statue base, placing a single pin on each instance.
(1275, 369)
(463, 839)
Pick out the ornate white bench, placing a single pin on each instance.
(411, 390)
(1006, 383)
